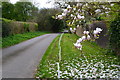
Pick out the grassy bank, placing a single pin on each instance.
(92, 62)
(15, 39)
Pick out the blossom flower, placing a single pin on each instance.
(72, 15)
(65, 11)
(98, 29)
(82, 17)
(86, 32)
(95, 32)
(69, 7)
(77, 26)
(74, 29)
(70, 29)
(63, 14)
(75, 17)
(74, 9)
(78, 16)
(88, 37)
(79, 40)
(78, 4)
(83, 37)
(78, 45)
(60, 16)
(69, 23)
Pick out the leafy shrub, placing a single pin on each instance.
(57, 25)
(45, 21)
(5, 28)
(114, 32)
(10, 27)
(26, 27)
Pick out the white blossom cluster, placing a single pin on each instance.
(73, 14)
(73, 30)
(96, 32)
(68, 10)
(87, 37)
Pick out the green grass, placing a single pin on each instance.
(77, 64)
(17, 38)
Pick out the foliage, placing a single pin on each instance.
(5, 28)
(92, 62)
(91, 11)
(10, 27)
(17, 38)
(57, 25)
(20, 11)
(24, 11)
(114, 32)
(26, 27)
(8, 10)
(45, 21)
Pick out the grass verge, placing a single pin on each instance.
(17, 38)
(92, 62)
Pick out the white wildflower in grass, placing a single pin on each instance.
(37, 77)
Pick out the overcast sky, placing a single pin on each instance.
(40, 3)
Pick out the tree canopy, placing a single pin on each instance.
(20, 11)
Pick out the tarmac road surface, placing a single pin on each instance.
(21, 60)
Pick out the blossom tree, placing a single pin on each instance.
(76, 16)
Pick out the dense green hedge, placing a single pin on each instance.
(115, 35)
(10, 27)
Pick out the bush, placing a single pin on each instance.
(10, 27)
(57, 25)
(5, 28)
(114, 32)
(45, 21)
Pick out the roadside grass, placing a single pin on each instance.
(17, 38)
(92, 62)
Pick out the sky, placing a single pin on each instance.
(40, 3)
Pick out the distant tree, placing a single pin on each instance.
(46, 22)
(24, 11)
(20, 11)
(7, 10)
